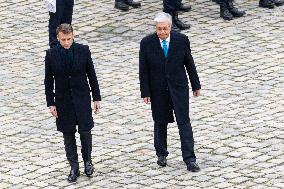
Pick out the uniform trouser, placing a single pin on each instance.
(171, 6)
(63, 14)
(71, 148)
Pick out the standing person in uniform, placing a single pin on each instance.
(172, 7)
(164, 59)
(124, 4)
(228, 11)
(63, 14)
(70, 68)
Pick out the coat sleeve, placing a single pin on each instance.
(144, 74)
(190, 67)
(93, 82)
(49, 81)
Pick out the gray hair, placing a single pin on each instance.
(163, 17)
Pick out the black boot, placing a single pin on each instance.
(178, 22)
(72, 156)
(233, 10)
(121, 5)
(73, 175)
(266, 4)
(224, 12)
(133, 3)
(184, 8)
(278, 2)
(86, 144)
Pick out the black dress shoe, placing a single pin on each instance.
(133, 4)
(89, 169)
(74, 174)
(193, 167)
(121, 6)
(225, 13)
(162, 161)
(179, 23)
(184, 8)
(278, 2)
(266, 4)
(234, 11)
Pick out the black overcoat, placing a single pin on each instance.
(164, 80)
(71, 94)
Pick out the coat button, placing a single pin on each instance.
(70, 89)
(70, 77)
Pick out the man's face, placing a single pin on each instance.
(65, 40)
(163, 30)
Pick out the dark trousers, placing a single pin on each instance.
(171, 6)
(71, 147)
(186, 138)
(185, 133)
(64, 11)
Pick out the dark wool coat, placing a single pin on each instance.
(72, 88)
(164, 80)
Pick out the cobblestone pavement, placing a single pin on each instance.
(237, 123)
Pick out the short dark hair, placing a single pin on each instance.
(64, 28)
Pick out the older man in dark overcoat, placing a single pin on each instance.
(69, 66)
(164, 59)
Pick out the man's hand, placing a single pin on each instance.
(53, 111)
(97, 106)
(196, 93)
(147, 100)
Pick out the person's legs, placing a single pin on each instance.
(160, 139)
(68, 11)
(54, 21)
(187, 142)
(72, 156)
(160, 142)
(172, 7)
(86, 149)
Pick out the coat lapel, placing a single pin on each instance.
(59, 60)
(76, 55)
(158, 46)
(171, 45)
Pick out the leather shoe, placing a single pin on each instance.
(89, 169)
(121, 6)
(179, 23)
(133, 4)
(162, 161)
(234, 11)
(278, 2)
(193, 167)
(184, 8)
(74, 174)
(266, 4)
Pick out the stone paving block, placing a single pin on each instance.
(237, 122)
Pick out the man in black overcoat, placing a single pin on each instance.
(63, 14)
(70, 68)
(164, 59)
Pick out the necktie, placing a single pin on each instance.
(165, 48)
